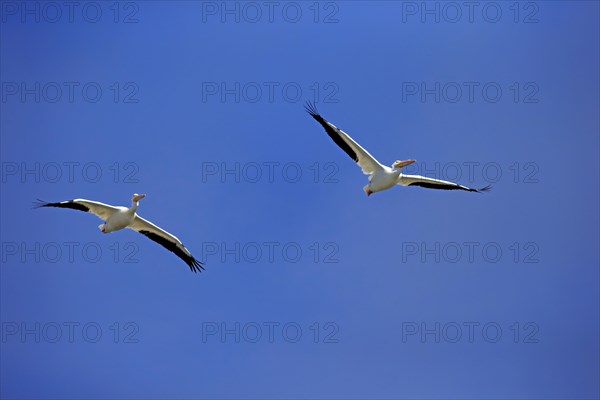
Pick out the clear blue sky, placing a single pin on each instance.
(410, 293)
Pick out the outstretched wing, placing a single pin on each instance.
(165, 239)
(366, 161)
(431, 183)
(101, 210)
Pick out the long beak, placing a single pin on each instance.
(402, 164)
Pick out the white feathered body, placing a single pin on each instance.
(382, 179)
(120, 219)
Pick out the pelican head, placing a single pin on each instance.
(137, 197)
(401, 164)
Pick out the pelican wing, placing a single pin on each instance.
(431, 183)
(366, 161)
(101, 210)
(165, 239)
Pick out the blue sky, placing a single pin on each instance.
(311, 289)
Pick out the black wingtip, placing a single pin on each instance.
(39, 203)
(311, 108)
(195, 265)
(484, 189)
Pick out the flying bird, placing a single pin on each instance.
(117, 218)
(381, 177)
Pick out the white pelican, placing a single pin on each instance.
(116, 218)
(381, 177)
